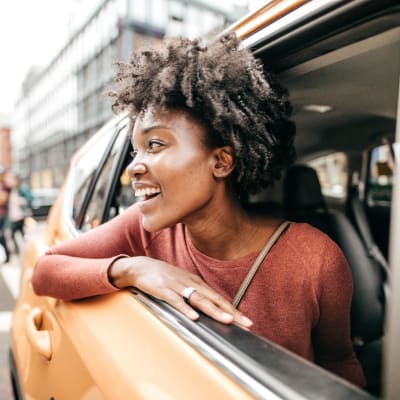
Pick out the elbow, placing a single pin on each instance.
(45, 281)
(38, 279)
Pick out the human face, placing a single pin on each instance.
(172, 170)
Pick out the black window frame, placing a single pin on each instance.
(123, 128)
(92, 186)
(121, 164)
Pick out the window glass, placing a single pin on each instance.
(94, 213)
(381, 167)
(85, 170)
(332, 173)
(123, 195)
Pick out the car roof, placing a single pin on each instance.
(322, 60)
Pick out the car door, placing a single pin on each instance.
(44, 352)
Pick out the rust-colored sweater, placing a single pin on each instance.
(300, 297)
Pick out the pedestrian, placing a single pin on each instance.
(4, 196)
(210, 127)
(17, 210)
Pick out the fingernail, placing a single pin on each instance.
(226, 316)
(193, 315)
(246, 321)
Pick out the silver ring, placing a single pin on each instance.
(187, 292)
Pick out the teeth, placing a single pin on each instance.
(146, 192)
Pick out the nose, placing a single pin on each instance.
(136, 168)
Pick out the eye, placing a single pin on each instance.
(154, 145)
(133, 154)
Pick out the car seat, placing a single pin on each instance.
(356, 211)
(303, 202)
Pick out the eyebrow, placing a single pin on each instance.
(147, 130)
(152, 127)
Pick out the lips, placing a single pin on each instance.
(147, 192)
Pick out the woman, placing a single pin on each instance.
(17, 209)
(210, 129)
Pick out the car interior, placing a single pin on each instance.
(344, 88)
(345, 102)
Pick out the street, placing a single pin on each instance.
(9, 281)
(9, 278)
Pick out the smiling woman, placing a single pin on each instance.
(211, 128)
(170, 145)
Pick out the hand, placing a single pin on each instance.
(167, 282)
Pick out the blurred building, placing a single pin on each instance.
(5, 153)
(61, 106)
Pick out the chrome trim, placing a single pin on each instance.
(307, 10)
(271, 11)
(248, 380)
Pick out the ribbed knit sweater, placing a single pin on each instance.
(300, 297)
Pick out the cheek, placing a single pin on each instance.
(193, 172)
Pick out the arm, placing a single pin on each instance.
(100, 262)
(331, 336)
(78, 268)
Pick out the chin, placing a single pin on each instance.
(152, 225)
(147, 225)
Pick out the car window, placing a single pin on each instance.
(380, 176)
(332, 173)
(123, 196)
(85, 170)
(126, 196)
(94, 212)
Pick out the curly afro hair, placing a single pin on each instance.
(226, 88)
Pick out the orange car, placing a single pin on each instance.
(340, 61)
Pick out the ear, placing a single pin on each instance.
(224, 162)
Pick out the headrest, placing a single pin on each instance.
(301, 189)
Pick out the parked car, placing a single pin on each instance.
(340, 61)
(43, 200)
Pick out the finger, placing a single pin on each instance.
(216, 298)
(242, 320)
(176, 301)
(225, 306)
(201, 302)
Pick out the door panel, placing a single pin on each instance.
(48, 363)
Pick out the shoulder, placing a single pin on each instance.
(315, 247)
(305, 237)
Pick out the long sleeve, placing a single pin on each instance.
(78, 268)
(331, 336)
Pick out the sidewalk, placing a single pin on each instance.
(10, 274)
(9, 284)
(9, 288)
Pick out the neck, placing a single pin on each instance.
(229, 231)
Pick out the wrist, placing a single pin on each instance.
(123, 271)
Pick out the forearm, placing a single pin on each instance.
(70, 278)
(78, 268)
